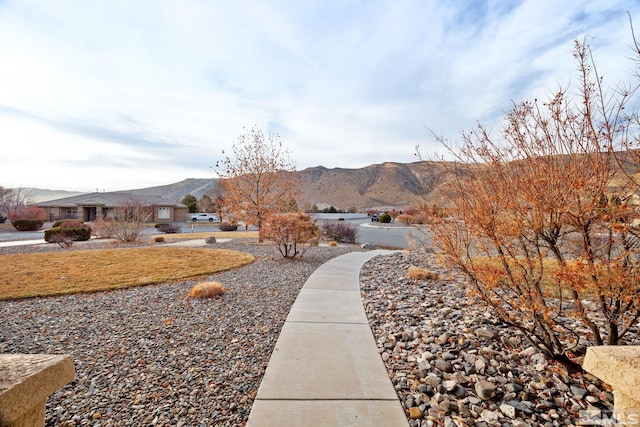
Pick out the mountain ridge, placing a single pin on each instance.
(377, 186)
(388, 184)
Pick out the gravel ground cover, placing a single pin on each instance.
(150, 356)
(453, 364)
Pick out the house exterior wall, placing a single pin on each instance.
(177, 214)
(91, 211)
(180, 214)
(54, 213)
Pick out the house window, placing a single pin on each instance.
(164, 213)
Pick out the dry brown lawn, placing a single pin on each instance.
(203, 235)
(60, 273)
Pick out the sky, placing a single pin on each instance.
(121, 94)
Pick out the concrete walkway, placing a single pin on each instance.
(325, 369)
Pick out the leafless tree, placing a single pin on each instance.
(258, 179)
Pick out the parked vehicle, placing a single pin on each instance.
(375, 217)
(205, 217)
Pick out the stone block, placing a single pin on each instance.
(26, 381)
(618, 366)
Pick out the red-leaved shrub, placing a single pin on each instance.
(291, 233)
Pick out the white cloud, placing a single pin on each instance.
(150, 92)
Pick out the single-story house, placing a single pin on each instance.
(91, 206)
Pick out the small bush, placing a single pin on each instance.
(385, 218)
(169, 228)
(292, 233)
(27, 224)
(30, 218)
(207, 290)
(340, 231)
(73, 233)
(419, 273)
(228, 226)
(158, 239)
(332, 243)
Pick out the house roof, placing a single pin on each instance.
(108, 199)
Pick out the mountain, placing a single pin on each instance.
(37, 195)
(383, 185)
(197, 187)
(396, 185)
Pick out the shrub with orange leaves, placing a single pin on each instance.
(207, 290)
(291, 233)
(405, 219)
(539, 219)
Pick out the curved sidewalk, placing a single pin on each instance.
(325, 369)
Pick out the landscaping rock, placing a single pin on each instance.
(460, 359)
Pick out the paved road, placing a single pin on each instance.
(391, 236)
(377, 234)
(12, 235)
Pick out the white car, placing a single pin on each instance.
(205, 217)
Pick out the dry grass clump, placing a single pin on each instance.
(332, 243)
(206, 290)
(61, 273)
(419, 273)
(158, 239)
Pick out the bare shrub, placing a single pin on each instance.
(339, 231)
(158, 239)
(103, 228)
(62, 240)
(291, 233)
(207, 290)
(129, 220)
(169, 228)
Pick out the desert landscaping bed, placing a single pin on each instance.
(453, 364)
(150, 356)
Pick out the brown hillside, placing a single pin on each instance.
(382, 185)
